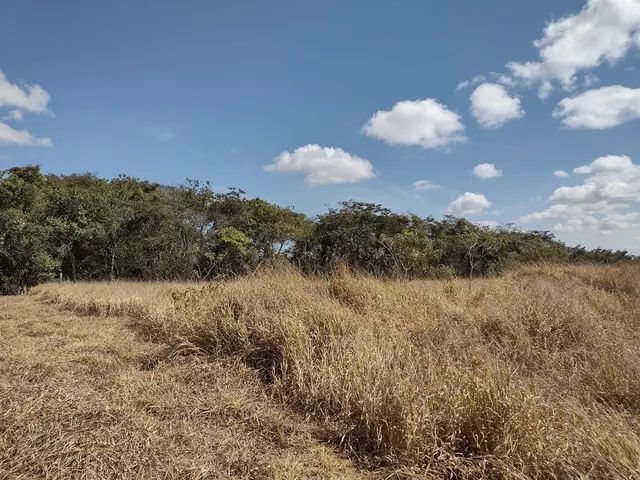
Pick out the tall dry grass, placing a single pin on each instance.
(535, 374)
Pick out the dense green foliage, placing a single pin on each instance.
(84, 227)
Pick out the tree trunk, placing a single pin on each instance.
(112, 275)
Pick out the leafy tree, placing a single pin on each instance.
(25, 247)
(357, 234)
(85, 227)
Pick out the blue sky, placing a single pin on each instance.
(166, 90)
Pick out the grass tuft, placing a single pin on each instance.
(535, 374)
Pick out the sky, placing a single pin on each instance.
(500, 111)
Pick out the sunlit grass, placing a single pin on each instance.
(532, 374)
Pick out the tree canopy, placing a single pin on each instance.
(84, 227)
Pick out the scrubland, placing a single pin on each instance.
(533, 374)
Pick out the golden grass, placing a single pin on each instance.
(535, 374)
(86, 398)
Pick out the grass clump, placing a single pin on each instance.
(535, 374)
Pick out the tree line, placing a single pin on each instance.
(81, 227)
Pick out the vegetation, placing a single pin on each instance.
(81, 227)
(84, 398)
(531, 374)
(388, 337)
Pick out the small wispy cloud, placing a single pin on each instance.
(425, 185)
(471, 82)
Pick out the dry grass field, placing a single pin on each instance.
(535, 374)
(87, 398)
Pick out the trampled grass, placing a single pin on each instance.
(535, 374)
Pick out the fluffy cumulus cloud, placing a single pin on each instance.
(322, 165)
(601, 108)
(20, 99)
(11, 136)
(492, 106)
(560, 174)
(425, 185)
(30, 98)
(486, 170)
(425, 123)
(608, 198)
(471, 82)
(603, 31)
(468, 204)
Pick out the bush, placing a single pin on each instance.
(83, 227)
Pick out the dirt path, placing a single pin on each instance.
(83, 397)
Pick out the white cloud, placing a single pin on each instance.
(603, 31)
(561, 174)
(470, 83)
(10, 136)
(492, 106)
(469, 204)
(426, 123)
(486, 170)
(16, 115)
(21, 99)
(323, 165)
(505, 80)
(590, 79)
(609, 163)
(31, 98)
(608, 198)
(545, 89)
(576, 218)
(425, 185)
(601, 108)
